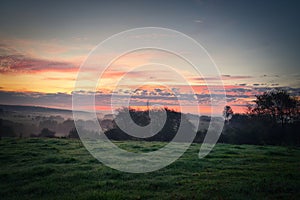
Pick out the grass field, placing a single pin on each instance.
(64, 169)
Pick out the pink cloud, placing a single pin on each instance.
(23, 64)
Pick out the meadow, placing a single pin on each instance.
(38, 168)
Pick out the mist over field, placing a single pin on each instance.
(28, 121)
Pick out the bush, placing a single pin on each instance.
(73, 133)
(47, 133)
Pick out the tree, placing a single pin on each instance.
(6, 129)
(47, 133)
(277, 106)
(227, 113)
(169, 129)
(73, 133)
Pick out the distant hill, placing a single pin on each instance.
(6, 110)
(21, 108)
(16, 110)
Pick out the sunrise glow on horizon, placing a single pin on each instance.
(41, 54)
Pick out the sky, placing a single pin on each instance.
(255, 45)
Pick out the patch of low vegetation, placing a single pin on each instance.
(44, 168)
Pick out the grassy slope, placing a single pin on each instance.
(63, 169)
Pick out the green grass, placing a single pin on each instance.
(64, 169)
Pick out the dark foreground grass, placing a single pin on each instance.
(63, 169)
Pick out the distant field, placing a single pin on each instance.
(64, 169)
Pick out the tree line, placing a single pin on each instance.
(273, 118)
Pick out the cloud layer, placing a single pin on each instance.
(237, 97)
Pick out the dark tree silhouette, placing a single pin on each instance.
(141, 118)
(73, 133)
(47, 133)
(227, 113)
(6, 130)
(277, 106)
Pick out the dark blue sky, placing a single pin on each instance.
(243, 36)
